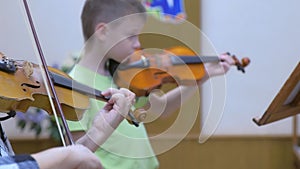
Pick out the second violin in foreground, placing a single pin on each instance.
(22, 86)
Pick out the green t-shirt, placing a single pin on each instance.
(128, 147)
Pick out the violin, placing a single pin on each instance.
(22, 86)
(147, 70)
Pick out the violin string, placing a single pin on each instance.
(53, 107)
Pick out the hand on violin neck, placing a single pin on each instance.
(108, 119)
(117, 107)
(219, 68)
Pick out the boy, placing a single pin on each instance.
(110, 29)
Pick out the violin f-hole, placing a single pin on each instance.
(34, 86)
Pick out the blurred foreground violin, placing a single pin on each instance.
(147, 70)
(22, 86)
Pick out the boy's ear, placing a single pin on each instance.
(101, 31)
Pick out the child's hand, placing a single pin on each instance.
(221, 67)
(108, 118)
(115, 110)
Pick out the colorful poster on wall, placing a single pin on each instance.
(166, 10)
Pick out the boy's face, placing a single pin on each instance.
(125, 37)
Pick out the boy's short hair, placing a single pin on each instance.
(97, 11)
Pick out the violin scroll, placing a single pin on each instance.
(240, 64)
(140, 114)
(136, 116)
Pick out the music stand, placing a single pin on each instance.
(285, 104)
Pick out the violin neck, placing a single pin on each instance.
(67, 83)
(193, 59)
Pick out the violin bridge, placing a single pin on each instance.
(27, 69)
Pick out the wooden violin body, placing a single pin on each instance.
(147, 70)
(22, 86)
